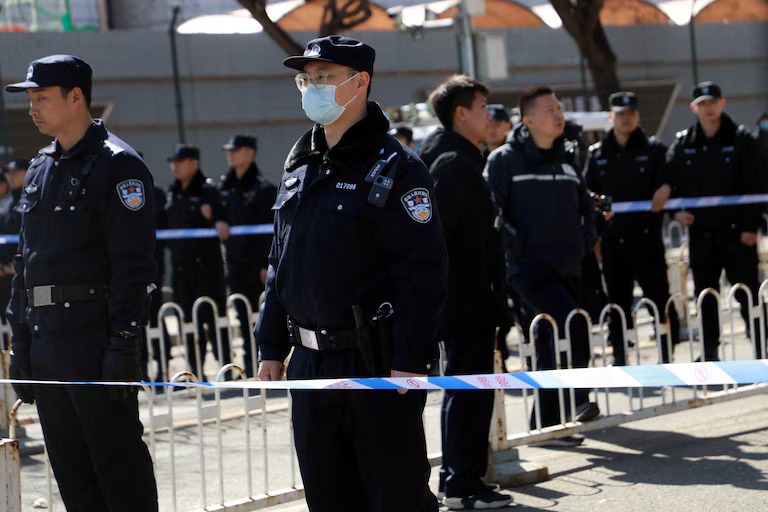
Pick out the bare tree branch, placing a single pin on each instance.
(345, 16)
(258, 9)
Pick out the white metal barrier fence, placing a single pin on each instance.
(230, 457)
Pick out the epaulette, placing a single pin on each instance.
(113, 148)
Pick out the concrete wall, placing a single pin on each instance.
(237, 83)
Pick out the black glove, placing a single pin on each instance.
(20, 370)
(121, 363)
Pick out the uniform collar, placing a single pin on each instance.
(195, 186)
(231, 179)
(725, 135)
(94, 137)
(354, 145)
(637, 141)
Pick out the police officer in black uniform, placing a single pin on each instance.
(247, 199)
(477, 300)
(83, 273)
(715, 157)
(10, 223)
(626, 165)
(356, 283)
(198, 268)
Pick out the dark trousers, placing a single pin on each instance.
(544, 290)
(637, 258)
(359, 451)
(711, 252)
(245, 279)
(94, 443)
(465, 417)
(190, 283)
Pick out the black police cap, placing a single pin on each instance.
(56, 70)
(706, 91)
(404, 132)
(182, 152)
(16, 165)
(498, 113)
(240, 141)
(337, 50)
(623, 100)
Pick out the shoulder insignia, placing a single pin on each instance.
(418, 205)
(131, 194)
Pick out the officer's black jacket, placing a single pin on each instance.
(183, 209)
(161, 222)
(722, 166)
(332, 249)
(96, 239)
(10, 224)
(548, 216)
(631, 173)
(247, 201)
(476, 271)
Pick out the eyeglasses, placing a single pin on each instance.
(320, 81)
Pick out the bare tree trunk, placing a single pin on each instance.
(581, 18)
(258, 9)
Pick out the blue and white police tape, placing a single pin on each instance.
(691, 202)
(176, 234)
(646, 376)
(619, 207)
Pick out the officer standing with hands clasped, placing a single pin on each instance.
(356, 284)
(83, 273)
(247, 199)
(627, 166)
(715, 157)
(198, 268)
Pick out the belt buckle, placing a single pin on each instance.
(42, 296)
(308, 338)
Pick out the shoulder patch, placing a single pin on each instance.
(418, 205)
(131, 194)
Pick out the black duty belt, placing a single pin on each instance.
(49, 295)
(323, 339)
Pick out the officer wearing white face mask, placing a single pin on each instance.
(355, 286)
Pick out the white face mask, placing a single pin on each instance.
(320, 104)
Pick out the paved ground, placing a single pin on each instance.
(716, 456)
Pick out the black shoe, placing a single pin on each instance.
(562, 442)
(587, 412)
(484, 500)
(489, 486)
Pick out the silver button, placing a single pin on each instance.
(66, 304)
(91, 291)
(133, 324)
(56, 163)
(37, 327)
(323, 332)
(327, 172)
(429, 367)
(340, 207)
(71, 208)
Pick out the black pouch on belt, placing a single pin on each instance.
(365, 342)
